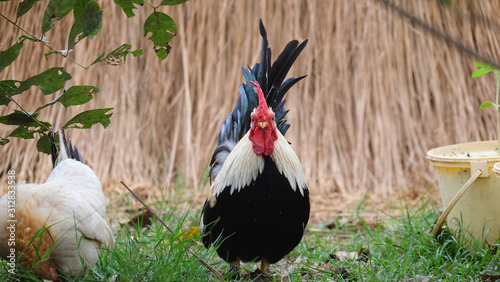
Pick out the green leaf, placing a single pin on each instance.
(87, 23)
(4, 100)
(98, 59)
(77, 95)
(89, 118)
(480, 72)
(162, 53)
(19, 118)
(128, 6)
(172, 2)
(10, 55)
(25, 6)
(7, 88)
(4, 141)
(484, 65)
(138, 52)
(48, 81)
(78, 8)
(484, 68)
(486, 105)
(43, 145)
(56, 10)
(163, 29)
(23, 132)
(118, 56)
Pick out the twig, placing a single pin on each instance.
(151, 5)
(34, 38)
(213, 270)
(461, 46)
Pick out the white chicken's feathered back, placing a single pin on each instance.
(72, 206)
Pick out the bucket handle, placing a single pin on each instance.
(461, 192)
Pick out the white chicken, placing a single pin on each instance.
(60, 225)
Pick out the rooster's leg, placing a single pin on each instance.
(264, 266)
(234, 266)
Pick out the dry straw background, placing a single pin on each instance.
(380, 92)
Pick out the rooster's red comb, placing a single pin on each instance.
(262, 100)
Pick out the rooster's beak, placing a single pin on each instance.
(263, 124)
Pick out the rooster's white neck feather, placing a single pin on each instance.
(288, 164)
(242, 166)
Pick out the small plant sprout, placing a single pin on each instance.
(484, 69)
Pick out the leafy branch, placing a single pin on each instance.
(87, 23)
(48, 82)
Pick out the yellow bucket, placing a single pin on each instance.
(469, 190)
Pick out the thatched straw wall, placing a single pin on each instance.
(379, 94)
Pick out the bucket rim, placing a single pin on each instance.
(466, 152)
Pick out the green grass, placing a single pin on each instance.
(398, 248)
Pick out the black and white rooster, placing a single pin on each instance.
(258, 206)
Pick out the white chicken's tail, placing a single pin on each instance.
(65, 152)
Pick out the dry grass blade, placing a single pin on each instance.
(203, 262)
